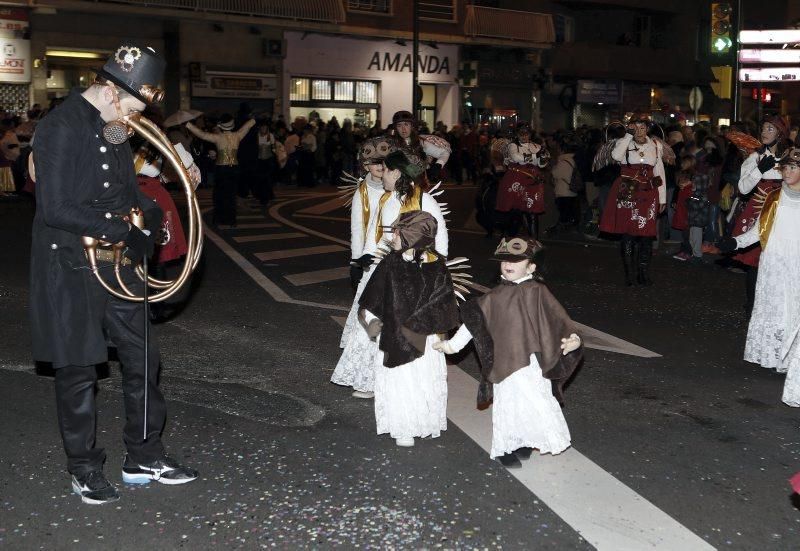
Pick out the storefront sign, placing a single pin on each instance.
(349, 58)
(15, 60)
(597, 91)
(218, 84)
(13, 20)
(387, 61)
(778, 74)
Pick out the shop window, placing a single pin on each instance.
(437, 10)
(321, 90)
(343, 90)
(299, 89)
(372, 6)
(366, 92)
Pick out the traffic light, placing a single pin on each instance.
(721, 27)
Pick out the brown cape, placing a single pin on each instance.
(513, 321)
(413, 300)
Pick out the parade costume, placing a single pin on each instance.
(522, 185)
(409, 300)
(9, 153)
(356, 365)
(758, 177)
(518, 329)
(636, 197)
(433, 150)
(772, 334)
(170, 239)
(86, 186)
(226, 170)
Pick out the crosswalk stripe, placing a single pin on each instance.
(603, 510)
(292, 253)
(326, 207)
(268, 237)
(318, 276)
(322, 217)
(263, 226)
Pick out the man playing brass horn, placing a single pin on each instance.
(86, 187)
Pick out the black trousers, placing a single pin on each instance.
(76, 388)
(226, 184)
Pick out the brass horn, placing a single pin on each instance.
(166, 288)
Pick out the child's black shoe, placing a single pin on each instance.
(510, 461)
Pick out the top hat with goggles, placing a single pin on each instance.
(136, 69)
(517, 249)
(791, 157)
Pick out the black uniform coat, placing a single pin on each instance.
(82, 182)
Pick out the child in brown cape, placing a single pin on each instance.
(528, 348)
(406, 303)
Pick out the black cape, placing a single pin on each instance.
(413, 300)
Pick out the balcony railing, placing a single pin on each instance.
(327, 11)
(502, 24)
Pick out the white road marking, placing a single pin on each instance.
(323, 217)
(327, 206)
(305, 251)
(263, 226)
(318, 276)
(603, 510)
(261, 280)
(268, 237)
(341, 320)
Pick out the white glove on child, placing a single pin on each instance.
(444, 347)
(570, 344)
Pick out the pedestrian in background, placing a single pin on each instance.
(226, 170)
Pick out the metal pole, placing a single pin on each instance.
(415, 56)
(737, 86)
(146, 305)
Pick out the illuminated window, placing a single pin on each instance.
(299, 89)
(321, 90)
(343, 90)
(366, 92)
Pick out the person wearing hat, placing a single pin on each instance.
(404, 176)
(86, 186)
(773, 334)
(528, 348)
(407, 303)
(433, 149)
(355, 367)
(226, 171)
(520, 194)
(637, 197)
(758, 176)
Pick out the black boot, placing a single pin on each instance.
(645, 254)
(626, 248)
(523, 453)
(510, 461)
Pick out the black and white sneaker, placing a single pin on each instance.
(165, 470)
(94, 488)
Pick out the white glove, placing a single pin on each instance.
(570, 344)
(444, 347)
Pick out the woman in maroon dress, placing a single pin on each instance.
(637, 197)
(520, 193)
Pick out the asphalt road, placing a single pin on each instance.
(289, 460)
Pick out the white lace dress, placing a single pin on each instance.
(772, 336)
(356, 366)
(525, 414)
(411, 399)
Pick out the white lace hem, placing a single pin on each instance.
(525, 414)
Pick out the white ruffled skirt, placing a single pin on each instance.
(525, 414)
(411, 399)
(356, 366)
